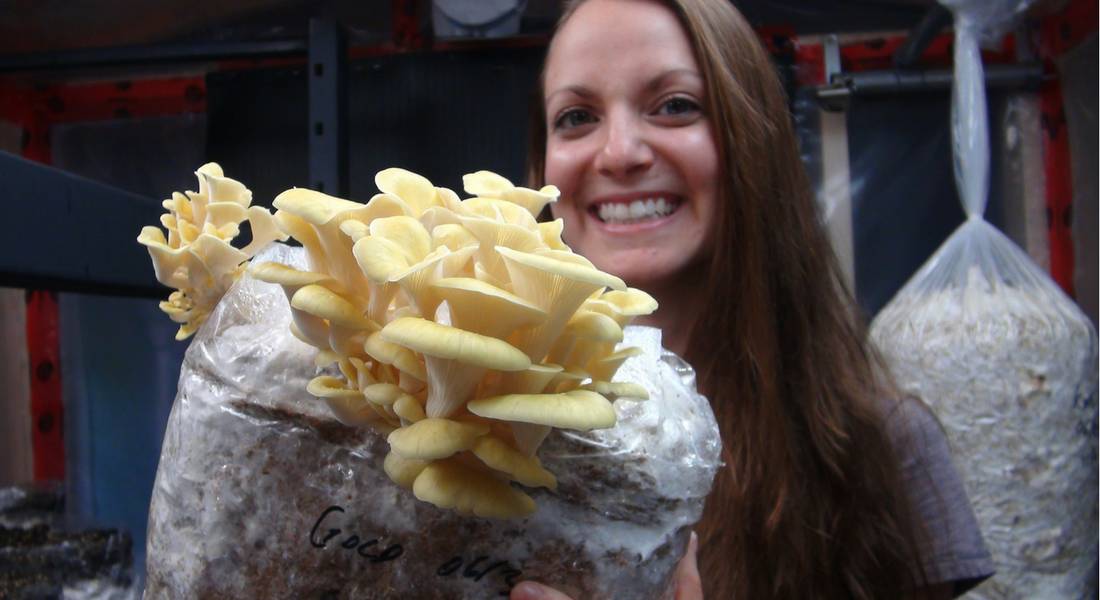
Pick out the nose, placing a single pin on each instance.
(625, 151)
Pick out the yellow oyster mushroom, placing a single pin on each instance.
(453, 236)
(550, 232)
(403, 471)
(383, 394)
(581, 410)
(406, 233)
(348, 405)
(455, 359)
(313, 328)
(322, 302)
(521, 468)
(536, 379)
(491, 185)
(486, 309)
(485, 183)
(315, 220)
(557, 286)
(450, 484)
(213, 213)
(397, 355)
(614, 390)
(630, 302)
(415, 190)
(433, 439)
(586, 333)
(379, 259)
(409, 409)
(491, 234)
(603, 369)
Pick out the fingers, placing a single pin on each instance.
(529, 590)
(688, 584)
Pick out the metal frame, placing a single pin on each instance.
(328, 140)
(157, 54)
(71, 233)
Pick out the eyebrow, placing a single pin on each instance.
(663, 78)
(653, 84)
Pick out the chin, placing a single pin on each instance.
(648, 273)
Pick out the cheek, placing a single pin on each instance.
(561, 168)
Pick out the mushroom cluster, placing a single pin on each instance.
(463, 329)
(198, 257)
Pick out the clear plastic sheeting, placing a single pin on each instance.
(987, 20)
(261, 492)
(1008, 364)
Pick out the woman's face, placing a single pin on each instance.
(629, 142)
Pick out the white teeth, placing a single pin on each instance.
(638, 210)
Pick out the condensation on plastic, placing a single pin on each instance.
(261, 493)
(1008, 364)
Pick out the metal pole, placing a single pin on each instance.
(328, 145)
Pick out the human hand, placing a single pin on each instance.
(688, 584)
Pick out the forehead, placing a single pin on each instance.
(609, 39)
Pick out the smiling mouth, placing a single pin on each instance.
(642, 210)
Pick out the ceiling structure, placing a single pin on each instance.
(37, 26)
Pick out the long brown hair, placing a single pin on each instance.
(810, 500)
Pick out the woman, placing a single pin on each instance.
(666, 129)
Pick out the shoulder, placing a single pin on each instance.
(952, 548)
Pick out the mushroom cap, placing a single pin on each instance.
(442, 341)
(347, 405)
(407, 233)
(466, 294)
(379, 258)
(317, 208)
(451, 484)
(409, 408)
(603, 369)
(320, 301)
(384, 351)
(485, 183)
(382, 394)
(415, 190)
(613, 390)
(432, 439)
(581, 410)
(631, 302)
(532, 200)
(526, 470)
(280, 274)
(550, 232)
(556, 265)
(594, 326)
(403, 471)
(453, 236)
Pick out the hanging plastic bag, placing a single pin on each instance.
(1009, 365)
(262, 493)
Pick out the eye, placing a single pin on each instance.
(679, 106)
(574, 117)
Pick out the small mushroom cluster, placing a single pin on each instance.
(198, 258)
(463, 329)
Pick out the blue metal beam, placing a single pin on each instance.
(69, 233)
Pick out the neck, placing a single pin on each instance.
(680, 301)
